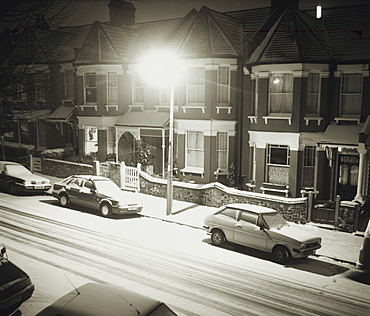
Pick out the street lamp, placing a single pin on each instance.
(162, 68)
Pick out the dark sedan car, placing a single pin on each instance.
(95, 192)
(15, 285)
(95, 299)
(16, 178)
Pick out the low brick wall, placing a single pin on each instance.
(63, 169)
(348, 217)
(216, 194)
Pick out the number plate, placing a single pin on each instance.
(39, 187)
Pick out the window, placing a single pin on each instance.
(313, 93)
(40, 85)
(249, 217)
(351, 94)
(112, 88)
(309, 159)
(164, 95)
(278, 161)
(228, 214)
(91, 139)
(194, 149)
(223, 86)
(138, 89)
(281, 93)
(69, 88)
(42, 134)
(196, 85)
(222, 151)
(90, 87)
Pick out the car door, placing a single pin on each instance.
(226, 220)
(87, 197)
(248, 233)
(73, 188)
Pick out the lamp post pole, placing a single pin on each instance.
(170, 154)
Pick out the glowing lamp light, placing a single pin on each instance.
(160, 67)
(276, 81)
(318, 11)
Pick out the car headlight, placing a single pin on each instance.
(303, 246)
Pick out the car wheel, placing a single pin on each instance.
(63, 200)
(13, 188)
(105, 209)
(281, 254)
(218, 237)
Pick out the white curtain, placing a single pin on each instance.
(195, 149)
(281, 93)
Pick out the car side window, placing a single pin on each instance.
(248, 217)
(89, 184)
(228, 214)
(76, 182)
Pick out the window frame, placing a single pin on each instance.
(313, 93)
(282, 93)
(221, 85)
(222, 150)
(344, 94)
(200, 86)
(187, 151)
(284, 167)
(112, 89)
(90, 143)
(92, 88)
(137, 85)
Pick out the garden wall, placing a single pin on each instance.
(63, 169)
(216, 194)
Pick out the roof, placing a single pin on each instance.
(253, 208)
(62, 113)
(342, 134)
(31, 115)
(101, 299)
(144, 119)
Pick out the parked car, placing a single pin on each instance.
(261, 228)
(15, 285)
(364, 257)
(96, 299)
(16, 178)
(95, 192)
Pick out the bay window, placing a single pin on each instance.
(313, 93)
(194, 150)
(351, 94)
(223, 86)
(281, 93)
(137, 88)
(90, 87)
(278, 162)
(112, 88)
(196, 86)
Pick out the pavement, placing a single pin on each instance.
(337, 245)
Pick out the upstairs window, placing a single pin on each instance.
(313, 93)
(69, 88)
(90, 87)
(40, 85)
(194, 149)
(351, 94)
(112, 88)
(222, 151)
(281, 93)
(137, 88)
(196, 86)
(223, 86)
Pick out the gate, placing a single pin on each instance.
(124, 176)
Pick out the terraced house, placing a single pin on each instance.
(275, 94)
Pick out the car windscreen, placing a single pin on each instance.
(274, 220)
(107, 187)
(16, 169)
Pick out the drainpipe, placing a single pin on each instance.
(239, 143)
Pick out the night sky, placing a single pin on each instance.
(87, 11)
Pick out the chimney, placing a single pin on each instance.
(121, 12)
(284, 4)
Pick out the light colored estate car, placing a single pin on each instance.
(16, 178)
(261, 228)
(95, 192)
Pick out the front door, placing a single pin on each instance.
(347, 177)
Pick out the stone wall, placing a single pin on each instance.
(216, 194)
(63, 169)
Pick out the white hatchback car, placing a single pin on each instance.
(261, 228)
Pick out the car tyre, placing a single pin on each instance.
(13, 189)
(64, 200)
(105, 209)
(218, 238)
(281, 254)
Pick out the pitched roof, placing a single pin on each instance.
(292, 37)
(206, 33)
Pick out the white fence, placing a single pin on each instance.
(127, 177)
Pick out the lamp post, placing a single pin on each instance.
(162, 68)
